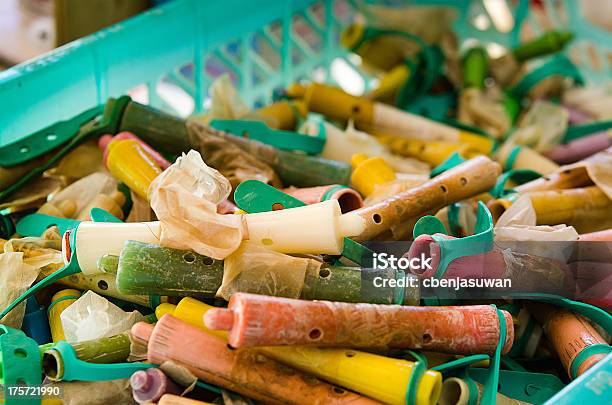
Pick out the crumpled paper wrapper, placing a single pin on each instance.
(483, 108)
(258, 270)
(518, 224)
(595, 101)
(184, 198)
(543, 126)
(93, 317)
(235, 163)
(20, 265)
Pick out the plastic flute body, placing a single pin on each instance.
(376, 376)
(151, 384)
(169, 399)
(348, 198)
(470, 178)
(378, 118)
(601, 236)
(522, 157)
(152, 269)
(169, 133)
(245, 372)
(580, 148)
(254, 320)
(570, 335)
(456, 391)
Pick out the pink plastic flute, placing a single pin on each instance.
(149, 385)
(580, 148)
(259, 320)
(348, 199)
(243, 371)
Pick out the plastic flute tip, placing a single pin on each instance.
(257, 320)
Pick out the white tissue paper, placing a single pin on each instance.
(93, 317)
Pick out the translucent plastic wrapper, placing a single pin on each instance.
(15, 277)
(34, 195)
(543, 125)
(258, 270)
(235, 163)
(518, 223)
(92, 317)
(141, 210)
(20, 265)
(483, 108)
(83, 191)
(596, 101)
(529, 271)
(599, 169)
(185, 198)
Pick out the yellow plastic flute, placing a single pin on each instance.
(283, 114)
(432, 152)
(521, 157)
(381, 378)
(382, 119)
(369, 172)
(390, 83)
(59, 302)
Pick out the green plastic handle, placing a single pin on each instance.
(453, 160)
(489, 394)
(558, 65)
(107, 125)
(578, 131)
(259, 131)
(519, 176)
(36, 224)
(451, 249)
(254, 196)
(21, 363)
(45, 140)
(76, 369)
(100, 215)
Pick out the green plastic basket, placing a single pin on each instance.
(186, 43)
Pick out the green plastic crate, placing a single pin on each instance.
(175, 44)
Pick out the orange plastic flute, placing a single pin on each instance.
(243, 371)
(258, 320)
(569, 334)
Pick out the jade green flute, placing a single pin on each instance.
(170, 134)
(152, 269)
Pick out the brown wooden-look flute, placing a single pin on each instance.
(470, 178)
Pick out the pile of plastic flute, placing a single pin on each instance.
(442, 238)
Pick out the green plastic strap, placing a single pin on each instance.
(558, 65)
(578, 131)
(453, 160)
(331, 192)
(480, 242)
(520, 343)
(21, 363)
(475, 67)
(259, 131)
(461, 363)
(71, 268)
(100, 215)
(453, 219)
(599, 348)
(154, 301)
(473, 390)
(45, 140)
(597, 315)
(36, 224)
(107, 125)
(429, 56)
(420, 366)
(512, 157)
(68, 297)
(254, 196)
(489, 393)
(76, 369)
(519, 176)
(512, 364)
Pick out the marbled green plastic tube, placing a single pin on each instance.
(153, 269)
